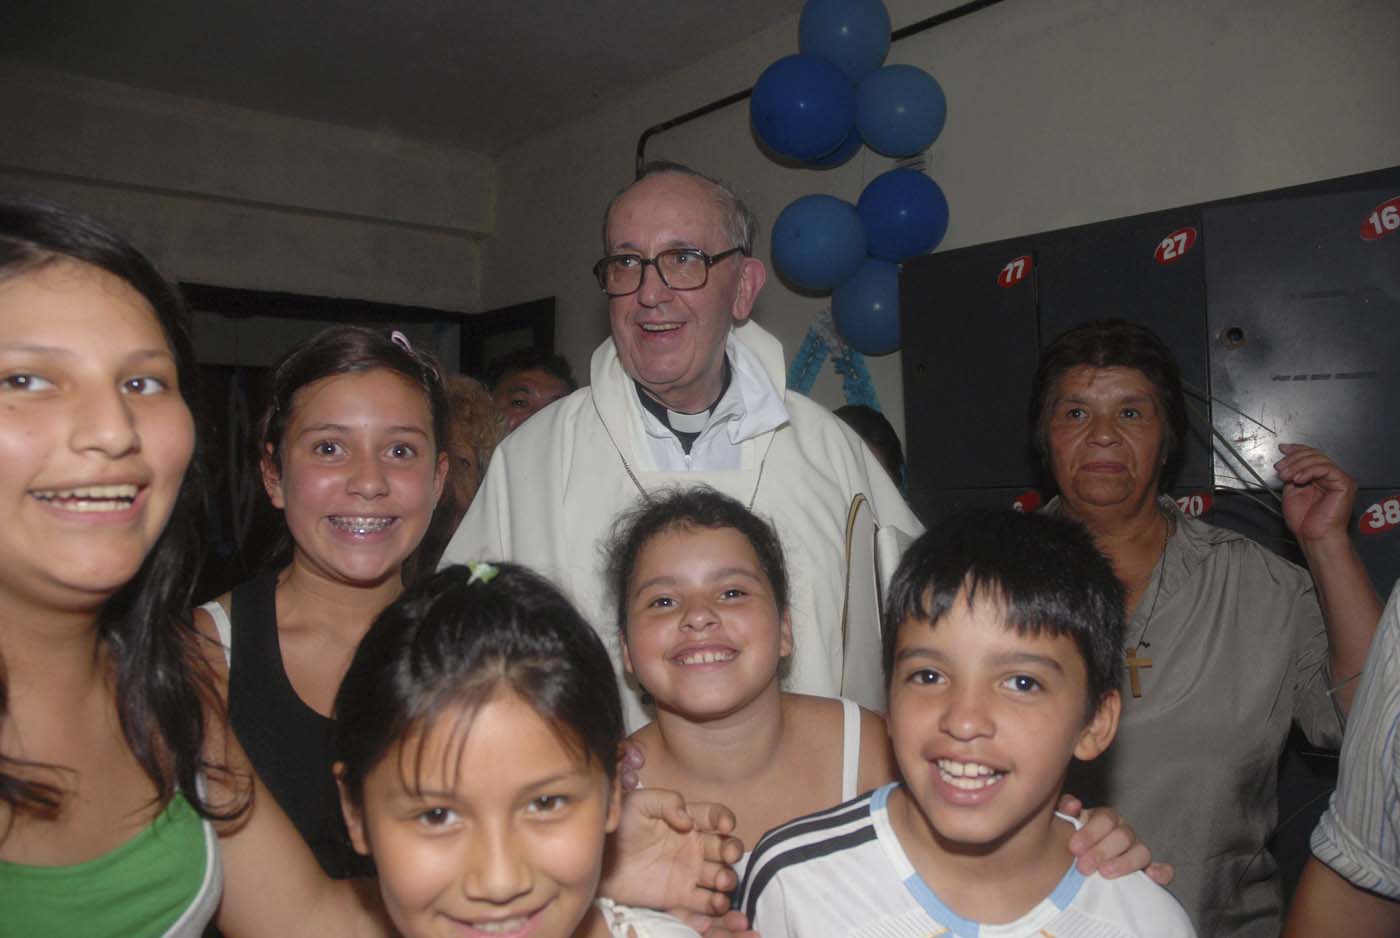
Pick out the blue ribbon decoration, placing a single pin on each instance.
(822, 342)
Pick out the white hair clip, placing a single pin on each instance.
(401, 340)
(482, 572)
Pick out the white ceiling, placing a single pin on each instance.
(477, 74)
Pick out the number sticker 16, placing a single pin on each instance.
(1381, 222)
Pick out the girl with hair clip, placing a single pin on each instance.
(352, 453)
(478, 731)
(702, 600)
(126, 808)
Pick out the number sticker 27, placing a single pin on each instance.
(1380, 517)
(1174, 245)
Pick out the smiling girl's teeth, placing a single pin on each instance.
(90, 498)
(969, 776)
(710, 656)
(361, 525)
(503, 926)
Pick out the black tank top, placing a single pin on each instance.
(289, 743)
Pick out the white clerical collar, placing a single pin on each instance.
(688, 423)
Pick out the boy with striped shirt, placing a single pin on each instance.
(1003, 641)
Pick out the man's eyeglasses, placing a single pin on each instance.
(679, 269)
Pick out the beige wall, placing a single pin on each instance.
(240, 198)
(1061, 112)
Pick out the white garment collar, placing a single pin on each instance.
(753, 405)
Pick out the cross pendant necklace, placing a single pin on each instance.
(1134, 662)
(1131, 659)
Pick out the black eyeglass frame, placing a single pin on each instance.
(599, 269)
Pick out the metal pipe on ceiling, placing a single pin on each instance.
(923, 25)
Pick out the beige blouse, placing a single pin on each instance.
(1239, 653)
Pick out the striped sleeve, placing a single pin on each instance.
(807, 838)
(1359, 835)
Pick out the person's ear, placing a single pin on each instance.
(1101, 728)
(785, 635)
(626, 656)
(752, 276)
(354, 815)
(272, 477)
(440, 475)
(614, 803)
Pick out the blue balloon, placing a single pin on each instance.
(818, 241)
(900, 111)
(854, 35)
(802, 107)
(905, 213)
(841, 155)
(865, 308)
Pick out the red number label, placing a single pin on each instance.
(1026, 502)
(1194, 505)
(1381, 222)
(1382, 516)
(1015, 271)
(1174, 245)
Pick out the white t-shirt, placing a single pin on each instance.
(843, 872)
(626, 922)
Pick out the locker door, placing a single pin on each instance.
(1147, 269)
(1305, 329)
(968, 321)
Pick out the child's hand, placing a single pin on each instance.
(630, 765)
(730, 925)
(1108, 846)
(667, 855)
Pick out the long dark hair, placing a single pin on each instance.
(163, 686)
(450, 642)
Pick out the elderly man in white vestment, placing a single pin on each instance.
(688, 391)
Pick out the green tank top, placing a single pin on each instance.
(162, 881)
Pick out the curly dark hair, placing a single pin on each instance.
(697, 507)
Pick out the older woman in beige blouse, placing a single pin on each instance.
(1227, 644)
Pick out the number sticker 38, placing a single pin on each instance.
(1382, 516)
